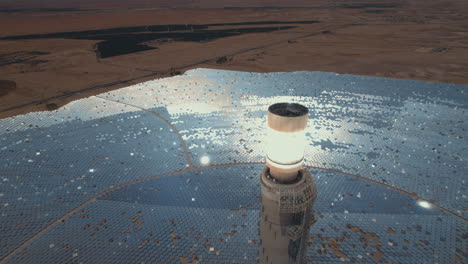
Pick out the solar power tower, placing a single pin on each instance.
(287, 188)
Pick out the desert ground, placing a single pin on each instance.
(53, 52)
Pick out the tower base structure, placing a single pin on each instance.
(286, 218)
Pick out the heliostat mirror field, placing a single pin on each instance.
(167, 171)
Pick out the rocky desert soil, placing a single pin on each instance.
(53, 52)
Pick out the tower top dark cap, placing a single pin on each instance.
(288, 109)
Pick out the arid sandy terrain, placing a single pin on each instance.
(53, 52)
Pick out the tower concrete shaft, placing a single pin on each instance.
(286, 218)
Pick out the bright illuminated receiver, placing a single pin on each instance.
(286, 140)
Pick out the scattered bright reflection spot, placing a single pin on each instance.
(205, 160)
(424, 204)
(193, 199)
